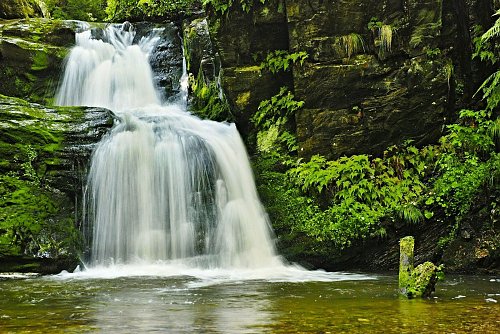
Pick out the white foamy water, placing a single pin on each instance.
(168, 194)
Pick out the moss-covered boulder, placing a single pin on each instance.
(206, 98)
(423, 280)
(44, 154)
(20, 9)
(31, 56)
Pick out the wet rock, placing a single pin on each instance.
(378, 72)
(206, 95)
(243, 40)
(363, 90)
(166, 58)
(419, 281)
(44, 156)
(199, 51)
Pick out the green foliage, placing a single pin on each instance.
(31, 222)
(280, 60)
(223, 6)
(352, 44)
(374, 24)
(119, 10)
(273, 121)
(468, 165)
(383, 34)
(353, 198)
(85, 10)
(208, 101)
(433, 53)
(494, 31)
(276, 110)
(487, 47)
(491, 90)
(362, 192)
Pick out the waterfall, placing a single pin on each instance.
(163, 185)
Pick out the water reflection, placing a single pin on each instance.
(189, 305)
(144, 307)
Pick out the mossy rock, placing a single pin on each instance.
(44, 153)
(32, 53)
(423, 280)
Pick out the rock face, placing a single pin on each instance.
(44, 153)
(31, 56)
(19, 9)
(242, 41)
(370, 80)
(166, 58)
(378, 72)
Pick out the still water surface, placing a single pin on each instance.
(184, 304)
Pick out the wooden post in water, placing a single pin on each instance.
(406, 246)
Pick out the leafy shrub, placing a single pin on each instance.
(223, 6)
(487, 49)
(280, 60)
(85, 10)
(362, 192)
(119, 10)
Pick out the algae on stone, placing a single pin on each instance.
(32, 53)
(44, 152)
(419, 281)
(406, 246)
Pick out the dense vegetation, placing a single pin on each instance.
(329, 205)
(118, 10)
(85, 10)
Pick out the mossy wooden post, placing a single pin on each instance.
(405, 262)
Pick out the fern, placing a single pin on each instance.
(385, 34)
(280, 60)
(493, 31)
(352, 44)
(487, 49)
(223, 6)
(491, 90)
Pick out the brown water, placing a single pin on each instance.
(462, 304)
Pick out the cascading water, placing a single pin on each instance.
(164, 185)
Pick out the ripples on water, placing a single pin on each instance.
(216, 301)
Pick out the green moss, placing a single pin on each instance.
(36, 221)
(406, 246)
(255, 68)
(31, 221)
(22, 87)
(243, 99)
(208, 102)
(418, 282)
(40, 61)
(423, 280)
